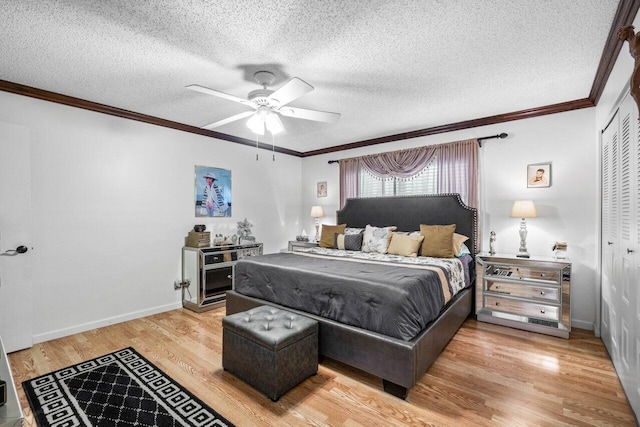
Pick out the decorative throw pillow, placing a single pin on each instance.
(458, 240)
(405, 244)
(327, 233)
(376, 239)
(348, 242)
(353, 230)
(438, 240)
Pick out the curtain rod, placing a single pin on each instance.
(499, 136)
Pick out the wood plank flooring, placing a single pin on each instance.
(487, 375)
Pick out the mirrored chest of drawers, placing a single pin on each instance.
(207, 273)
(526, 293)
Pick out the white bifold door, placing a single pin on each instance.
(620, 190)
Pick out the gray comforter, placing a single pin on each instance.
(394, 300)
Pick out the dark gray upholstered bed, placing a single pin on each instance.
(399, 363)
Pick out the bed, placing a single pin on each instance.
(397, 352)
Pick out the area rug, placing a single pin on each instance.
(118, 389)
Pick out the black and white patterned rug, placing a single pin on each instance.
(118, 389)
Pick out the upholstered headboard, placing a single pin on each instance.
(408, 212)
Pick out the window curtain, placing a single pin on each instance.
(457, 168)
(399, 164)
(349, 179)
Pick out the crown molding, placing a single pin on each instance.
(501, 118)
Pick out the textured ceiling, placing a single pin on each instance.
(387, 66)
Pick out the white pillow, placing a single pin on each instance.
(376, 239)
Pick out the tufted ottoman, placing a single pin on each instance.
(272, 350)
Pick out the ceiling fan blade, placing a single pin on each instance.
(291, 90)
(219, 94)
(303, 113)
(228, 120)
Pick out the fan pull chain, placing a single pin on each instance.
(256, 147)
(273, 147)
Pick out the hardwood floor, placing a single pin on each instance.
(487, 375)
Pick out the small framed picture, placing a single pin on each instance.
(539, 175)
(322, 189)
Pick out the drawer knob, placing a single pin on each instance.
(497, 302)
(541, 292)
(542, 311)
(229, 277)
(497, 286)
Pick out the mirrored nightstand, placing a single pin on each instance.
(298, 244)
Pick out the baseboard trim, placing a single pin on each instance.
(582, 324)
(59, 333)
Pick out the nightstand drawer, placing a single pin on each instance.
(532, 274)
(529, 309)
(525, 291)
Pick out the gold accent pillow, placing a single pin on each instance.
(458, 240)
(438, 240)
(327, 235)
(405, 244)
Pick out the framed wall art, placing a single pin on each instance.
(213, 192)
(322, 189)
(539, 175)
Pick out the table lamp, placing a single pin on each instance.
(317, 212)
(523, 209)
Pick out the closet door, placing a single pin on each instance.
(620, 240)
(609, 192)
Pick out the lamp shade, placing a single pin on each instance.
(317, 212)
(524, 209)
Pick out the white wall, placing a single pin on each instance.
(113, 200)
(567, 210)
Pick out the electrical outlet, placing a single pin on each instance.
(179, 284)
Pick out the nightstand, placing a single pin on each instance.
(526, 293)
(298, 244)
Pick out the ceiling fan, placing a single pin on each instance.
(267, 104)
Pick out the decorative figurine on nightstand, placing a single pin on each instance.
(244, 232)
(492, 241)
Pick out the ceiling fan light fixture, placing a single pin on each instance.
(256, 124)
(274, 125)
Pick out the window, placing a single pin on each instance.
(424, 182)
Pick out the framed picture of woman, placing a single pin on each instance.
(539, 175)
(213, 192)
